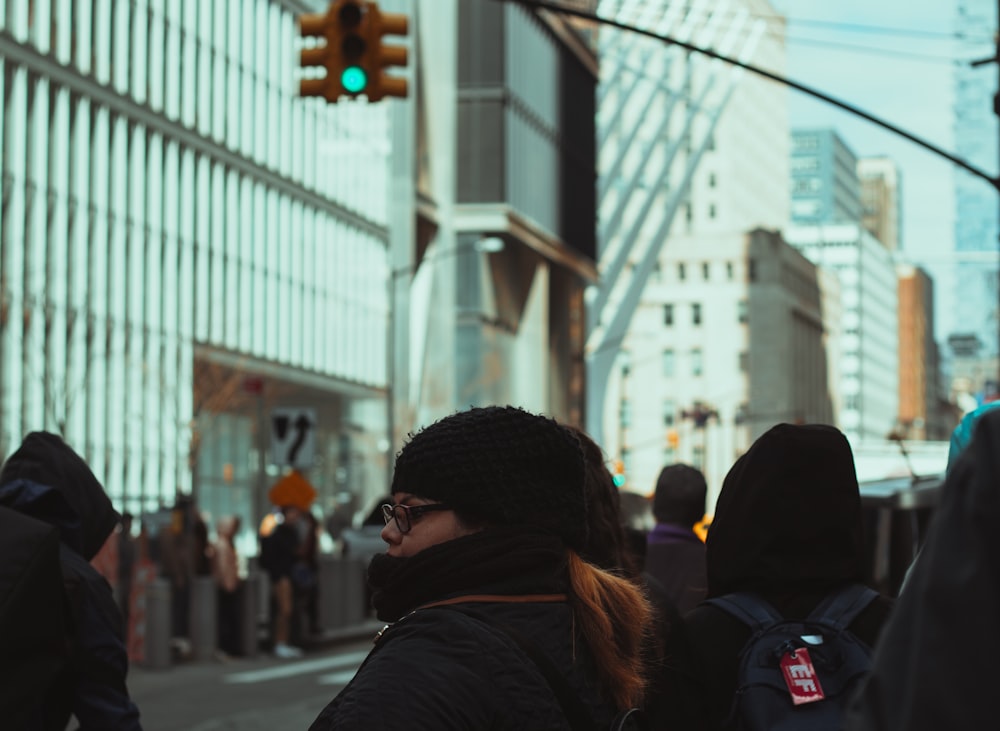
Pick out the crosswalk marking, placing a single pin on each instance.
(288, 670)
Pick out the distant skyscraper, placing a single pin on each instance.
(880, 200)
(976, 218)
(825, 187)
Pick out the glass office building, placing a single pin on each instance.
(186, 246)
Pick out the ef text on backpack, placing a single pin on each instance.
(797, 674)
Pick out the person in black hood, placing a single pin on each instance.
(788, 526)
(46, 480)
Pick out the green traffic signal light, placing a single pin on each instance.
(354, 79)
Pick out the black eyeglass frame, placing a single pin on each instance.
(408, 513)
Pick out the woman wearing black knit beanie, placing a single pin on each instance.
(495, 620)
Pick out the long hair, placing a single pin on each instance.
(615, 618)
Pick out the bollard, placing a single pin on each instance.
(156, 632)
(249, 615)
(328, 593)
(204, 618)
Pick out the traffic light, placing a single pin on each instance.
(673, 438)
(352, 53)
(618, 473)
(385, 57)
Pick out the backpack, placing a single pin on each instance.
(797, 674)
(35, 618)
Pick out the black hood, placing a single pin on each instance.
(789, 516)
(47, 480)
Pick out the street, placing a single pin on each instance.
(260, 693)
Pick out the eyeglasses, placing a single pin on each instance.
(405, 514)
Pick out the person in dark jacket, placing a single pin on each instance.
(484, 538)
(46, 480)
(675, 554)
(935, 665)
(279, 552)
(788, 526)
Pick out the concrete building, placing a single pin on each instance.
(495, 144)
(920, 414)
(881, 200)
(869, 359)
(693, 154)
(973, 305)
(729, 340)
(825, 186)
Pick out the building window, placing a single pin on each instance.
(668, 363)
(625, 414)
(669, 412)
(681, 271)
(711, 180)
(668, 315)
(711, 210)
(744, 362)
(729, 271)
(696, 364)
(706, 270)
(696, 314)
(742, 311)
(752, 270)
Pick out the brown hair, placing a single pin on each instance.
(614, 618)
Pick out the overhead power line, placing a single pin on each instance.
(846, 106)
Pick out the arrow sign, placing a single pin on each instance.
(293, 437)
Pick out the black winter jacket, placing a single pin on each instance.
(440, 668)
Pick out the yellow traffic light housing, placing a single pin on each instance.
(352, 53)
(387, 56)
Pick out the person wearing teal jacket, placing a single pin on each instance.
(962, 434)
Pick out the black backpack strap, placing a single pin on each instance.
(569, 700)
(842, 607)
(749, 608)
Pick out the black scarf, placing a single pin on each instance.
(495, 561)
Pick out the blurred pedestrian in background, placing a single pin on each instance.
(305, 577)
(126, 568)
(935, 666)
(46, 480)
(226, 569)
(492, 607)
(788, 529)
(675, 555)
(279, 552)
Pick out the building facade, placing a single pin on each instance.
(693, 154)
(881, 200)
(869, 357)
(977, 229)
(503, 151)
(729, 340)
(920, 389)
(825, 186)
(186, 246)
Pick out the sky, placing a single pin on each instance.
(895, 60)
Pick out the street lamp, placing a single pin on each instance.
(485, 245)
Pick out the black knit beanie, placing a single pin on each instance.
(680, 495)
(503, 466)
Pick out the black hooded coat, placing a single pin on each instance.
(936, 665)
(787, 526)
(46, 480)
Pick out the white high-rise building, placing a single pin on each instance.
(869, 359)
